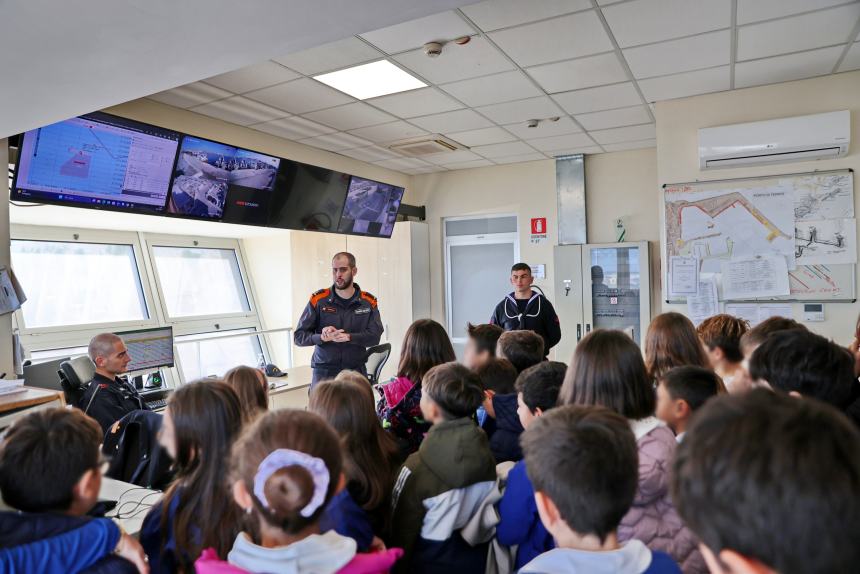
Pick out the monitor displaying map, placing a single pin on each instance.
(371, 208)
(97, 160)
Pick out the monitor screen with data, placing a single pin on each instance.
(371, 208)
(149, 348)
(97, 160)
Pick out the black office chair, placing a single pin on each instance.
(75, 376)
(377, 356)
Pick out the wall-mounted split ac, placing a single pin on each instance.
(801, 138)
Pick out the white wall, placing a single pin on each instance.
(677, 154)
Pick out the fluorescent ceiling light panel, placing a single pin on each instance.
(371, 80)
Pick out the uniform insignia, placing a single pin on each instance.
(319, 296)
(369, 298)
(329, 310)
(362, 310)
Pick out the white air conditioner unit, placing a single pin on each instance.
(801, 138)
(426, 145)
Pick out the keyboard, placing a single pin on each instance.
(157, 405)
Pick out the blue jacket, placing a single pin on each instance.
(357, 315)
(58, 544)
(519, 523)
(505, 433)
(347, 518)
(150, 539)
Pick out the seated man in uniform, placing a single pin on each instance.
(109, 398)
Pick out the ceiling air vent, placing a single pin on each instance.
(426, 145)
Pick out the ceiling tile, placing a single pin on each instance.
(686, 84)
(401, 37)
(448, 157)
(645, 21)
(403, 163)
(483, 136)
(628, 134)
(546, 128)
(239, 110)
(372, 153)
(470, 164)
(519, 158)
(415, 103)
(502, 87)
(394, 131)
(452, 121)
(631, 145)
(336, 142)
(755, 10)
(814, 30)
(330, 57)
(350, 116)
(600, 98)
(615, 118)
(562, 142)
(786, 68)
(477, 58)
(503, 149)
(581, 73)
(552, 40)
(300, 96)
(495, 14)
(521, 110)
(590, 150)
(254, 77)
(293, 128)
(190, 95)
(852, 58)
(703, 51)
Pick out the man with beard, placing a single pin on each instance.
(341, 321)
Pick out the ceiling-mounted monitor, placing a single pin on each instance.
(97, 160)
(312, 201)
(371, 208)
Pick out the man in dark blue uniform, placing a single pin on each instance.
(341, 322)
(109, 398)
(525, 309)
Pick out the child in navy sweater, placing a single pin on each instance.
(537, 391)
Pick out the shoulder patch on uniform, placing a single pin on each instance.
(319, 296)
(369, 298)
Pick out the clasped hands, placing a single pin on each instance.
(334, 335)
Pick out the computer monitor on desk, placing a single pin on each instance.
(150, 350)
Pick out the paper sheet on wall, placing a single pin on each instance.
(751, 277)
(825, 241)
(683, 276)
(704, 304)
(755, 313)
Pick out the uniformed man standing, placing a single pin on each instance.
(341, 322)
(525, 309)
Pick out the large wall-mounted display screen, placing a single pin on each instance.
(371, 208)
(313, 200)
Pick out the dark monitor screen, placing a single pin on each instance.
(149, 348)
(312, 199)
(371, 208)
(97, 160)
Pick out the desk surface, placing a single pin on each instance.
(29, 397)
(297, 378)
(133, 503)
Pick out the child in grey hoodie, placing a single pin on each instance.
(582, 462)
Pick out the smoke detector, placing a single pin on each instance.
(433, 49)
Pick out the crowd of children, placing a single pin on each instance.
(718, 448)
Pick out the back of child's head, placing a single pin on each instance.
(806, 363)
(522, 348)
(289, 461)
(757, 335)
(425, 345)
(724, 332)
(774, 479)
(251, 387)
(44, 455)
(608, 370)
(485, 336)
(454, 388)
(693, 385)
(540, 385)
(584, 459)
(346, 403)
(497, 375)
(671, 341)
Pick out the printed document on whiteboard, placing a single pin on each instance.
(758, 276)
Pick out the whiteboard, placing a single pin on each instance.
(824, 195)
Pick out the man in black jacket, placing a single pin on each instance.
(109, 398)
(525, 309)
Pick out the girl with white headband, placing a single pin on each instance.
(286, 467)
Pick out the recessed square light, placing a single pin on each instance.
(371, 80)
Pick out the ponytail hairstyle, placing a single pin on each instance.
(288, 496)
